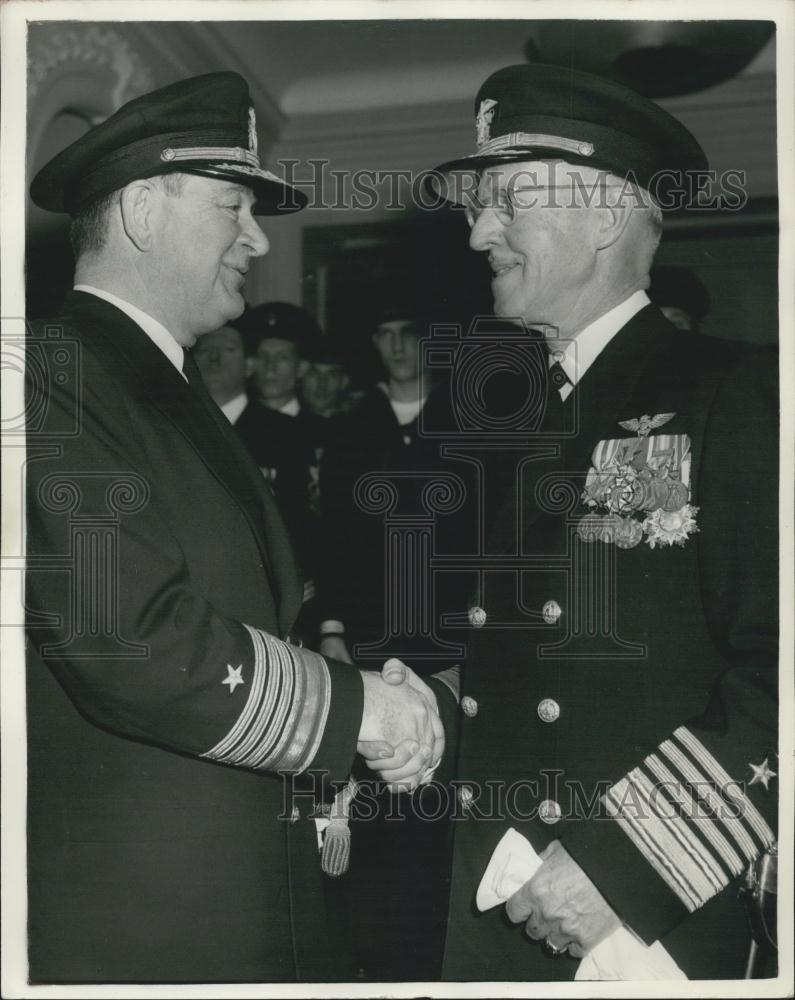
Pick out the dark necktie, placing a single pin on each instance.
(556, 417)
(191, 371)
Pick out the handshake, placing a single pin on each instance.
(401, 736)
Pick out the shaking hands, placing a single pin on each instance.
(401, 736)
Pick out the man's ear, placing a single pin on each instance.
(251, 365)
(137, 213)
(345, 381)
(613, 220)
(303, 368)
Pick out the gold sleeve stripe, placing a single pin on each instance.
(641, 835)
(283, 720)
(266, 733)
(719, 775)
(698, 780)
(692, 807)
(691, 822)
(706, 871)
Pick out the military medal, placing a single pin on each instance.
(677, 496)
(638, 488)
(628, 533)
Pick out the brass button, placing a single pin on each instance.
(477, 617)
(549, 811)
(465, 797)
(469, 707)
(548, 710)
(551, 612)
(295, 815)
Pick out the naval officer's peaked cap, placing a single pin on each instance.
(204, 125)
(540, 112)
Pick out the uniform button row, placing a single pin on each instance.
(548, 709)
(550, 612)
(549, 811)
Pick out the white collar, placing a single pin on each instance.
(588, 344)
(405, 412)
(155, 330)
(234, 407)
(292, 407)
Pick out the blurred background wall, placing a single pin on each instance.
(398, 96)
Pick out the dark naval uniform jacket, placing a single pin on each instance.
(619, 695)
(163, 697)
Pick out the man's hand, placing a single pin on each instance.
(401, 735)
(562, 904)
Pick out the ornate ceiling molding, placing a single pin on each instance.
(69, 46)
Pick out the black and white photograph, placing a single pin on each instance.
(397, 481)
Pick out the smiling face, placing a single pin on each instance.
(539, 237)
(203, 241)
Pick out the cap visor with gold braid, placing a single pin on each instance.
(540, 112)
(205, 125)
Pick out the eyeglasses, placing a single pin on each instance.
(506, 205)
(503, 202)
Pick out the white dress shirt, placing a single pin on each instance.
(588, 344)
(405, 412)
(155, 330)
(291, 408)
(235, 407)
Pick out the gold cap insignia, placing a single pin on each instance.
(252, 130)
(483, 122)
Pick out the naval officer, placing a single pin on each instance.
(618, 703)
(165, 700)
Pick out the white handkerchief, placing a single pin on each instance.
(620, 956)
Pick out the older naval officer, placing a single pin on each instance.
(618, 702)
